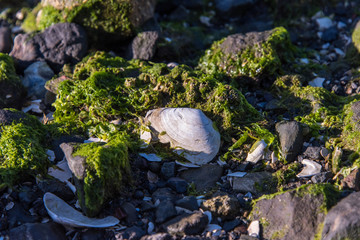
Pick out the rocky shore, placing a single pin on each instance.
(176, 119)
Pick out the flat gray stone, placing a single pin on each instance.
(248, 182)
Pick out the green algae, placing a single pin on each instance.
(22, 153)
(285, 174)
(263, 59)
(106, 88)
(107, 172)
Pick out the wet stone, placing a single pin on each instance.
(177, 184)
(168, 170)
(186, 224)
(226, 207)
(188, 202)
(50, 230)
(165, 211)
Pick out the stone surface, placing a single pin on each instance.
(5, 37)
(232, 6)
(177, 184)
(248, 182)
(165, 211)
(168, 170)
(17, 215)
(35, 77)
(158, 236)
(57, 45)
(204, 177)
(75, 163)
(164, 194)
(143, 45)
(56, 187)
(188, 202)
(9, 116)
(312, 153)
(343, 220)
(227, 207)
(186, 224)
(130, 211)
(33, 231)
(291, 138)
(352, 181)
(304, 213)
(132, 233)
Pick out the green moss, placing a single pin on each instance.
(101, 19)
(106, 88)
(263, 59)
(22, 154)
(288, 172)
(107, 170)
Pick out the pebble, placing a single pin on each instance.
(254, 229)
(317, 82)
(324, 23)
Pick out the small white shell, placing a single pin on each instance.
(64, 214)
(254, 229)
(256, 151)
(311, 168)
(187, 130)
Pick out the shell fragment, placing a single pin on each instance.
(311, 168)
(64, 214)
(257, 151)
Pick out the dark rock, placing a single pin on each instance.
(132, 233)
(248, 182)
(247, 237)
(165, 211)
(168, 170)
(330, 34)
(76, 163)
(5, 37)
(164, 194)
(138, 194)
(59, 154)
(154, 167)
(130, 211)
(7, 117)
(143, 45)
(226, 207)
(38, 231)
(188, 202)
(204, 177)
(179, 14)
(93, 234)
(291, 138)
(146, 206)
(186, 224)
(57, 45)
(321, 177)
(158, 236)
(312, 153)
(27, 196)
(226, 7)
(230, 225)
(295, 214)
(18, 215)
(191, 4)
(177, 184)
(352, 181)
(343, 220)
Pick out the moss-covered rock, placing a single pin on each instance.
(22, 153)
(107, 88)
(11, 89)
(255, 54)
(101, 171)
(305, 209)
(104, 21)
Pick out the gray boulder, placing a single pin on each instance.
(186, 224)
(291, 138)
(59, 44)
(144, 45)
(226, 207)
(343, 220)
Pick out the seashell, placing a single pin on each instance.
(311, 168)
(61, 172)
(257, 151)
(254, 229)
(188, 131)
(274, 158)
(186, 164)
(237, 174)
(63, 213)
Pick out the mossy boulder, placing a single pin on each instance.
(101, 171)
(256, 54)
(305, 209)
(11, 89)
(22, 152)
(353, 51)
(104, 21)
(351, 130)
(106, 88)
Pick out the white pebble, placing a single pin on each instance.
(339, 52)
(324, 23)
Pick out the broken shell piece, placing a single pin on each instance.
(311, 168)
(237, 174)
(34, 107)
(63, 213)
(274, 158)
(186, 164)
(256, 151)
(254, 229)
(61, 172)
(188, 130)
(152, 157)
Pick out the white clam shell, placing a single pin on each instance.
(257, 151)
(188, 131)
(311, 168)
(63, 213)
